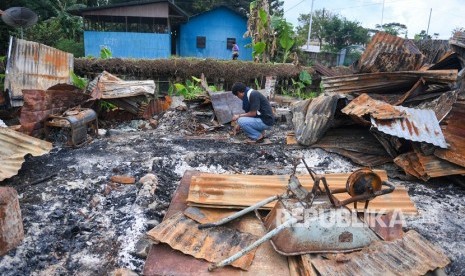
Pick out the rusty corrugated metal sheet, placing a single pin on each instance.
(238, 191)
(323, 70)
(358, 144)
(225, 105)
(108, 86)
(38, 104)
(163, 260)
(391, 82)
(365, 105)
(34, 66)
(390, 53)
(411, 255)
(442, 105)
(312, 118)
(211, 244)
(426, 166)
(420, 125)
(14, 146)
(454, 131)
(156, 106)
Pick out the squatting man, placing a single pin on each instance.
(258, 115)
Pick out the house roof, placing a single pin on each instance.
(132, 3)
(219, 7)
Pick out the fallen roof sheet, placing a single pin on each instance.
(323, 70)
(355, 143)
(392, 82)
(454, 131)
(410, 255)
(312, 118)
(108, 86)
(34, 66)
(427, 166)
(163, 260)
(389, 53)
(14, 146)
(238, 191)
(365, 105)
(442, 105)
(211, 244)
(39, 104)
(225, 105)
(420, 125)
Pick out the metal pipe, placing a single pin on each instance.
(249, 248)
(241, 213)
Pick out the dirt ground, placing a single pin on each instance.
(77, 222)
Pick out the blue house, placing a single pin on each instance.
(211, 34)
(159, 29)
(138, 29)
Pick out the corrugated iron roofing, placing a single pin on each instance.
(427, 166)
(420, 125)
(454, 131)
(238, 191)
(312, 120)
(35, 66)
(14, 146)
(225, 105)
(212, 244)
(411, 255)
(390, 53)
(323, 70)
(365, 105)
(388, 82)
(163, 260)
(358, 144)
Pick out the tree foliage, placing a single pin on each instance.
(333, 31)
(393, 28)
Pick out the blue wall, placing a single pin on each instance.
(128, 45)
(216, 25)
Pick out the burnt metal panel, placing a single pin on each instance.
(163, 260)
(454, 131)
(358, 144)
(225, 105)
(390, 53)
(425, 167)
(442, 105)
(388, 82)
(14, 146)
(420, 125)
(311, 124)
(323, 70)
(34, 66)
(365, 105)
(411, 255)
(212, 244)
(239, 191)
(38, 104)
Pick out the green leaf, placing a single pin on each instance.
(77, 81)
(263, 17)
(259, 48)
(196, 79)
(305, 77)
(286, 42)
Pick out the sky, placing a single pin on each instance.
(446, 15)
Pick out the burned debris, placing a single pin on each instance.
(173, 190)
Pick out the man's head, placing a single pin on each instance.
(238, 88)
